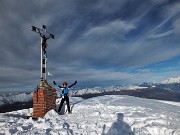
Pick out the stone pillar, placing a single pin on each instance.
(44, 99)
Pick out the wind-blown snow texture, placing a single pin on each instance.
(104, 115)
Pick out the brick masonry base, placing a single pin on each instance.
(43, 101)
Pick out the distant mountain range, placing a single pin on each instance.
(171, 84)
(166, 90)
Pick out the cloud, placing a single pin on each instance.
(93, 77)
(162, 35)
(95, 41)
(108, 7)
(11, 75)
(176, 25)
(115, 28)
(159, 1)
(172, 9)
(170, 12)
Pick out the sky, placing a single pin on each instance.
(97, 42)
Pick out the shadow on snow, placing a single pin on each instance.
(119, 127)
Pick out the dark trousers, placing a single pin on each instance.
(66, 98)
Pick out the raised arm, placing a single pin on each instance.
(58, 85)
(72, 84)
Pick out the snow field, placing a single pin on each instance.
(105, 115)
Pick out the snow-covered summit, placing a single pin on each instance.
(171, 80)
(172, 84)
(104, 115)
(167, 81)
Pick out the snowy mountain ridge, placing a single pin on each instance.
(13, 98)
(171, 81)
(172, 84)
(167, 81)
(114, 88)
(25, 97)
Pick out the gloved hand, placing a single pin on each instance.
(75, 82)
(54, 82)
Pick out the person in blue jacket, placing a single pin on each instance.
(65, 96)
